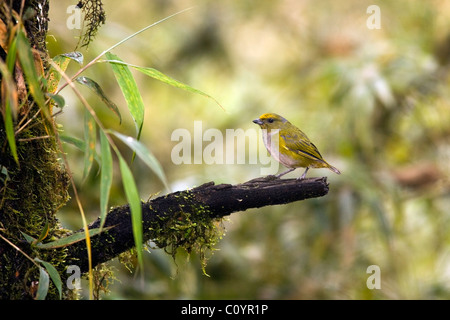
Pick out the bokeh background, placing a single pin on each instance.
(374, 101)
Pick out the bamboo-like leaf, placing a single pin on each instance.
(58, 99)
(62, 60)
(130, 91)
(43, 284)
(53, 75)
(9, 128)
(90, 138)
(28, 238)
(29, 69)
(106, 176)
(44, 233)
(66, 241)
(12, 55)
(95, 87)
(8, 79)
(75, 55)
(11, 99)
(134, 201)
(54, 275)
(145, 155)
(158, 75)
(77, 143)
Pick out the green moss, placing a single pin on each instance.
(31, 194)
(128, 259)
(103, 276)
(191, 228)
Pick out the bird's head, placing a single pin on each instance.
(270, 121)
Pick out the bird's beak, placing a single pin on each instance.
(258, 121)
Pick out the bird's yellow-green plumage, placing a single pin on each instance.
(293, 149)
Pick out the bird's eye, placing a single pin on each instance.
(270, 120)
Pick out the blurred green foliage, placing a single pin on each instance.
(374, 101)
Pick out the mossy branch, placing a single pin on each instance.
(209, 200)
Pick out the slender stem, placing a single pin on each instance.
(34, 138)
(77, 198)
(18, 249)
(142, 30)
(118, 44)
(26, 123)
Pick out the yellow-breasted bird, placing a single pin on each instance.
(295, 150)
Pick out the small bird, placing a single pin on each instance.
(295, 150)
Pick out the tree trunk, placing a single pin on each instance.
(33, 189)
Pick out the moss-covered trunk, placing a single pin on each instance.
(32, 190)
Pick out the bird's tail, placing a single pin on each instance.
(335, 170)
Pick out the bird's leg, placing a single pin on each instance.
(283, 173)
(304, 174)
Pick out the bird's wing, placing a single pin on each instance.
(299, 143)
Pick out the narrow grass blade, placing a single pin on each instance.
(66, 241)
(158, 75)
(130, 91)
(44, 281)
(145, 155)
(44, 233)
(95, 87)
(28, 238)
(12, 55)
(78, 143)
(90, 131)
(8, 79)
(11, 99)
(75, 56)
(28, 66)
(62, 61)
(9, 128)
(58, 99)
(54, 275)
(134, 201)
(106, 176)
(53, 75)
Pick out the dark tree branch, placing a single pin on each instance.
(221, 200)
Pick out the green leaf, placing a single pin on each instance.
(9, 128)
(75, 56)
(158, 75)
(11, 101)
(90, 138)
(95, 87)
(54, 275)
(43, 284)
(106, 176)
(29, 69)
(28, 238)
(145, 155)
(130, 92)
(62, 60)
(54, 76)
(12, 55)
(66, 241)
(78, 143)
(44, 233)
(58, 99)
(134, 201)
(7, 72)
